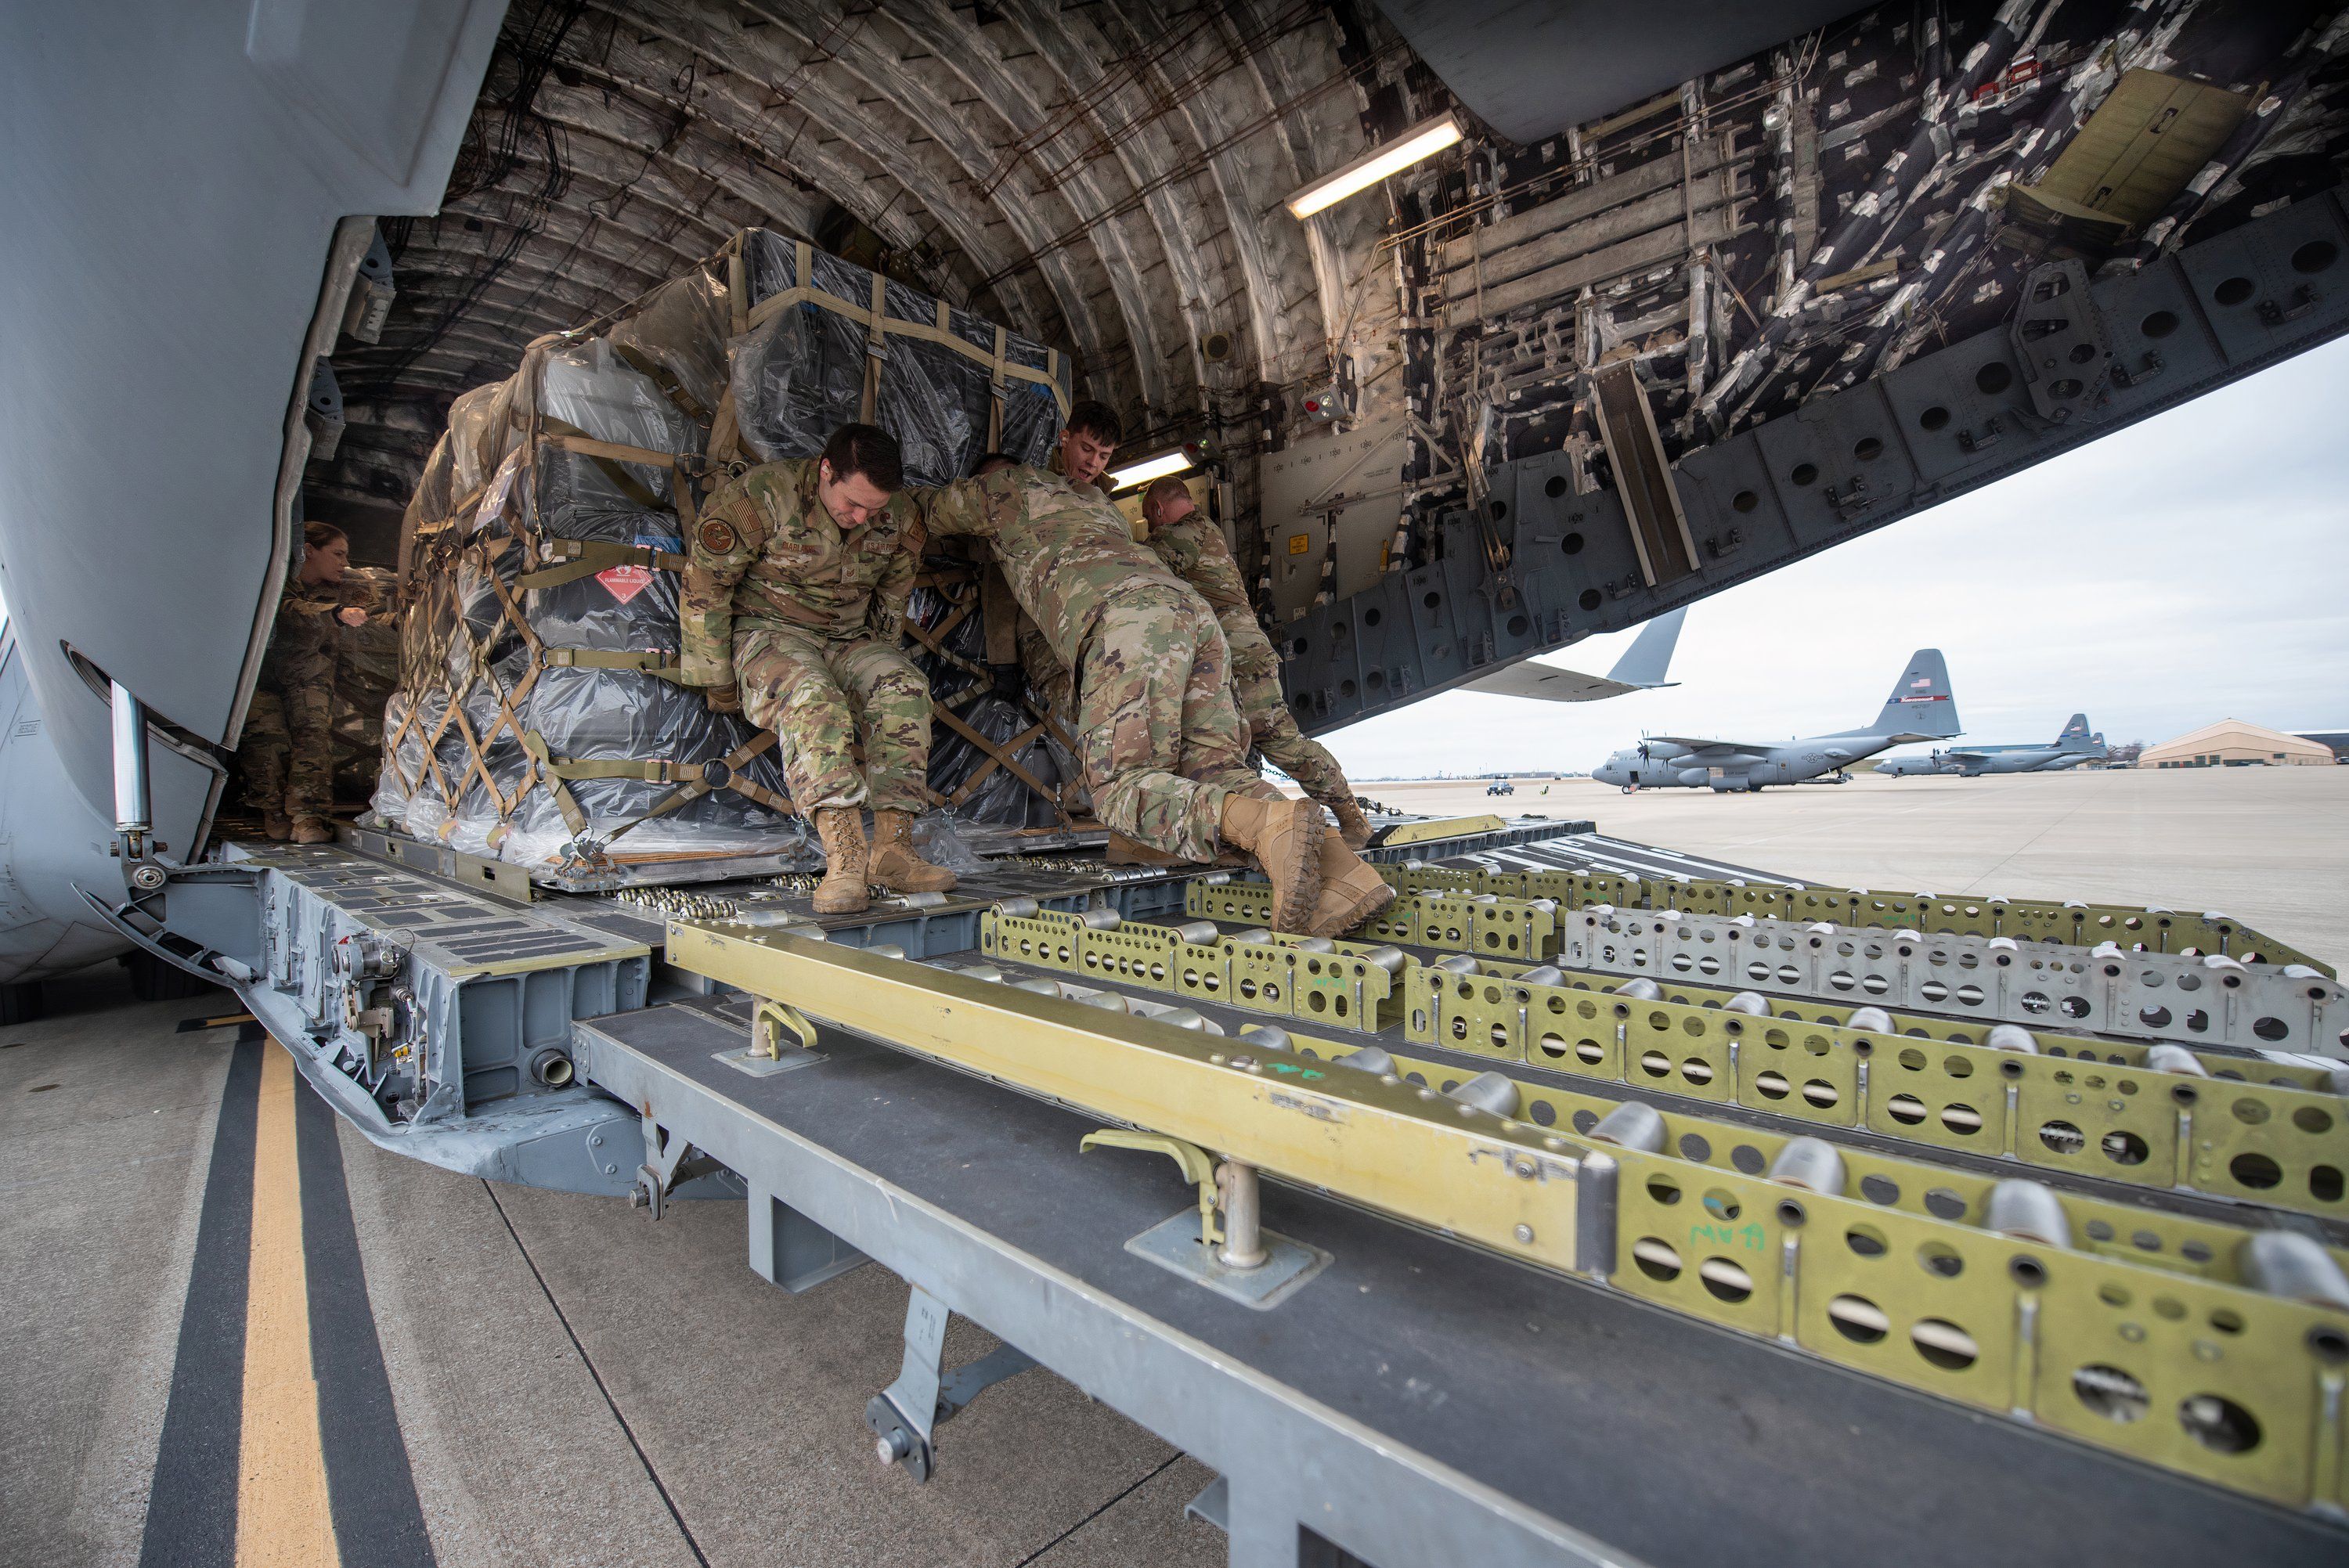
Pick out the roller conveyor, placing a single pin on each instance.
(1417, 1401)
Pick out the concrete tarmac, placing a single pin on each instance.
(2267, 845)
(576, 1384)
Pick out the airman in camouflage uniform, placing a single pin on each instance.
(793, 608)
(1163, 750)
(1192, 549)
(287, 749)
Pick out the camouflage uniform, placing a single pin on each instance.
(1193, 550)
(1162, 745)
(807, 617)
(287, 750)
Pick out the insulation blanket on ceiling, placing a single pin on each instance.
(536, 718)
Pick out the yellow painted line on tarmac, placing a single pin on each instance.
(282, 1512)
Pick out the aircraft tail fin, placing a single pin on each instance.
(2076, 735)
(1921, 704)
(1645, 662)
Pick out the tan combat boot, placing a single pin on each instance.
(312, 830)
(1352, 889)
(1285, 837)
(845, 861)
(896, 863)
(1352, 826)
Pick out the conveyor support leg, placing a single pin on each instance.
(903, 1437)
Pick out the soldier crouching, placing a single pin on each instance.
(793, 612)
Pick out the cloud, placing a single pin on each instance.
(2189, 568)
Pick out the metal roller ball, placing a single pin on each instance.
(1315, 944)
(1743, 920)
(2027, 1212)
(1181, 1017)
(1495, 1094)
(1198, 932)
(2174, 1060)
(1019, 908)
(1753, 1003)
(1266, 1036)
(1455, 964)
(1599, 909)
(1810, 1163)
(1107, 1001)
(1543, 974)
(2012, 1038)
(1669, 913)
(1631, 1125)
(2003, 944)
(1641, 989)
(1821, 928)
(885, 949)
(981, 972)
(2221, 961)
(1873, 1019)
(2303, 972)
(1256, 936)
(1101, 920)
(1390, 959)
(1038, 984)
(2106, 950)
(2297, 1267)
(1546, 905)
(1372, 1059)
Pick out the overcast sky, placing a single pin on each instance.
(2191, 568)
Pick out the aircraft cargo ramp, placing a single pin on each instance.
(1529, 1241)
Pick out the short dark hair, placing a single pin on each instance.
(1165, 486)
(1098, 420)
(869, 450)
(993, 460)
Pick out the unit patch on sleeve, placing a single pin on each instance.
(717, 537)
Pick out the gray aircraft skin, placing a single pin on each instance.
(2074, 746)
(1921, 707)
(1641, 668)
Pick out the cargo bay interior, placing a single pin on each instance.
(1432, 1242)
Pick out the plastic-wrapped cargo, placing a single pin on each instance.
(537, 717)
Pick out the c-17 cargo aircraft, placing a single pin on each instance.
(2074, 745)
(1920, 708)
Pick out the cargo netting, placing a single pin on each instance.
(538, 717)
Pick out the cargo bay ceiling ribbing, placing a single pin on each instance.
(1713, 287)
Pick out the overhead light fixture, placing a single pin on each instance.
(1148, 469)
(1423, 140)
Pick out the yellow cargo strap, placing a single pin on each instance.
(695, 778)
(651, 661)
(662, 377)
(878, 324)
(580, 558)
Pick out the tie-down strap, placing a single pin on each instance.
(694, 779)
(651, 661)
(571, 559)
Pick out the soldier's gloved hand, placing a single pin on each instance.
(1010, 680)
(727, 698)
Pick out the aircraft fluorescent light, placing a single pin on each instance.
(1420, 141)
(1149, 469)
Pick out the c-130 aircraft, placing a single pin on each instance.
(2070, 748)
(1920, 707)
